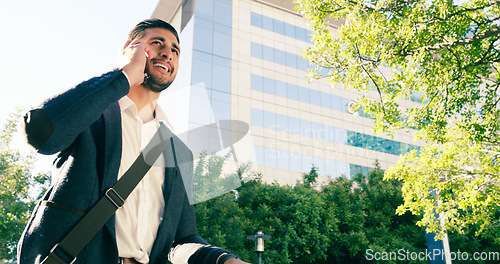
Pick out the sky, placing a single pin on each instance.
(52, 45)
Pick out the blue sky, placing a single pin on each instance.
(49, 46)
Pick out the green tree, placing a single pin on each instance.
(334, 223)
(349, 240)
(385, 230)
(19, 189)
(212, 177)
(293, 216)
(311, 177)
(443, 54)
(457, 178)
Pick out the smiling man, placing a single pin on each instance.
(98, 129)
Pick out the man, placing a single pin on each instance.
(99, 128)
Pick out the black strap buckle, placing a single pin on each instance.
(114, 197)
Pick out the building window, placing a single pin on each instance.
(315, 130)
(280, 27)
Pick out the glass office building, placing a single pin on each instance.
(242, 60)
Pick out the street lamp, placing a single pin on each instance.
(259, 238)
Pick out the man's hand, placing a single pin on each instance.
(235, 261)
(135, 56)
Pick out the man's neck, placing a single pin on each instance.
(145, 101)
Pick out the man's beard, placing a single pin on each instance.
(154, 84)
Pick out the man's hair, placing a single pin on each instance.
(138, 30)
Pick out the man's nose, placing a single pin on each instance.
(166, 54)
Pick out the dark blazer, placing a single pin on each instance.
(83, 125)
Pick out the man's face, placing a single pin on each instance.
(163, 59)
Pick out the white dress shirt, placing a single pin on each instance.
(138, 220)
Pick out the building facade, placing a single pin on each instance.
(242, 60)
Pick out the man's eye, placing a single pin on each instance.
(156, 42)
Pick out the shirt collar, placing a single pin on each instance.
(126, 104)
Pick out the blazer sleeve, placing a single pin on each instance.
(187, 235)
(56, 123)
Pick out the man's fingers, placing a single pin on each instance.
(132, 46)
(135, 55)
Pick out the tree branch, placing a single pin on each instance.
(492, 3)
(460, 42)
(376, 85)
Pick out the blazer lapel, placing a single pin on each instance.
(173, 194)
